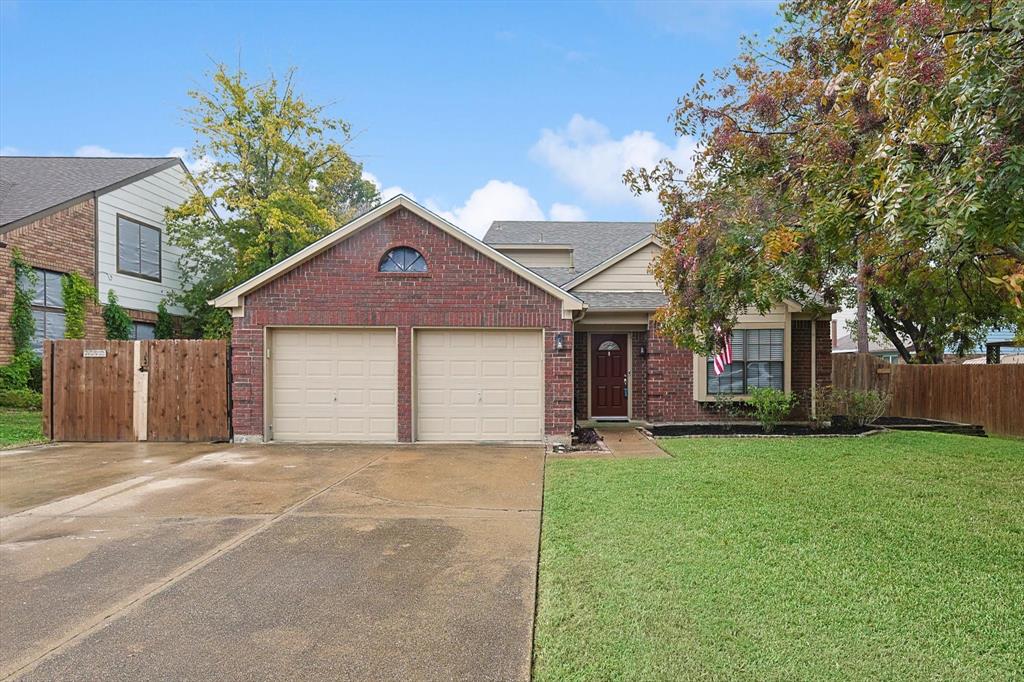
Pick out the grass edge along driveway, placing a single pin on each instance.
(898, 556)
(20, 427)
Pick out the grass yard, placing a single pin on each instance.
(20, 427)
(898, 557)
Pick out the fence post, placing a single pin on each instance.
(140, 394)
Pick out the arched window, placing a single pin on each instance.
(608, 346)
(402, 259)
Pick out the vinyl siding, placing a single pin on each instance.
(145, 201)
(629, 274)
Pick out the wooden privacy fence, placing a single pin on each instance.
(989, 395)
(135, 390)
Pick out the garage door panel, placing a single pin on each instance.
(479, 385)
(333, 384)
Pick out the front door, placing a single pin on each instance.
(608, 382)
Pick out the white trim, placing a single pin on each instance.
(604, 265)
(233, 298)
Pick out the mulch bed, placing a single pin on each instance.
(756, 430)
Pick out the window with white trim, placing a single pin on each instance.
(758, 361)
(47, 306)
(403, 259)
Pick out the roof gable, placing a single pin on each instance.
(234, 298)
(593, 242)
(32, 186)
(616, 259)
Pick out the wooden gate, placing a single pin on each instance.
(135, 390)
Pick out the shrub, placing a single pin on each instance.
(164, 328)
(119, 325)
(864, 407)
(23, 325)
(25, 371)
(828, 402)
(770, 406)
(21, 398)
(78, 292)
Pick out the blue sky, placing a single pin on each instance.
(481, 111)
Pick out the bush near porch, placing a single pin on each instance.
(898, 556)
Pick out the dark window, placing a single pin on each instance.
(47, 307)
(757, 362)
(145, 331)
(403, 259)
(138, 249)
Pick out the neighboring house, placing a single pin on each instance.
(880, 348)
(100, 217)
(401, 327)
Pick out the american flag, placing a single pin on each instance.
(724, 355)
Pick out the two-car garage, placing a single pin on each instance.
(342, 384)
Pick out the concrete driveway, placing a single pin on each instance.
(169, 561)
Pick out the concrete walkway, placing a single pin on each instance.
(626, 442)
(268, 562)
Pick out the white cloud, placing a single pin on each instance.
(497, 200)
(386, 192)
(97, 150)
(585, 156)
(567, 212)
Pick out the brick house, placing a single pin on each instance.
(100, 217)
(401, 327)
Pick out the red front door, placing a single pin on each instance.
(608, 375)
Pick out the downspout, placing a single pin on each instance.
(814, 370)
(583, 312)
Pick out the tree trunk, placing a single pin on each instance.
(862, 308)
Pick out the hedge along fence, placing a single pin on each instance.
(989, 395)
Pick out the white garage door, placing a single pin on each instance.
(333, 384)
(479, 385)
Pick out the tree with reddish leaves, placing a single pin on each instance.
(868, 144)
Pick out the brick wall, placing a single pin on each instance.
(580, 369)
(64, 241)
(639, 383)
(341, 286)
(670, 375)
(800, 374)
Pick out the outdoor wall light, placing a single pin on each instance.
(560, 341)
(643, 349)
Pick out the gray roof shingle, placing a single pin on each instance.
(30, 184)
(622, 300)
(592, 242)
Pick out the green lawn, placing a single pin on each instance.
(20, 427)
(894, 557)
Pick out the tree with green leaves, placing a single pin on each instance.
(276, 166)
(23, 325)
(869, 146)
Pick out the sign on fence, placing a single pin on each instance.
(135, 390)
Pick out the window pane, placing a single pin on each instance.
(403, 259)
(608, 345)
(150, 247)
(730, 382)
(39, 297)
(738, 344)
(55, 325)
(40, 331)
(54, 290)
(764, 375)
(127, 245)
(144, 331)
